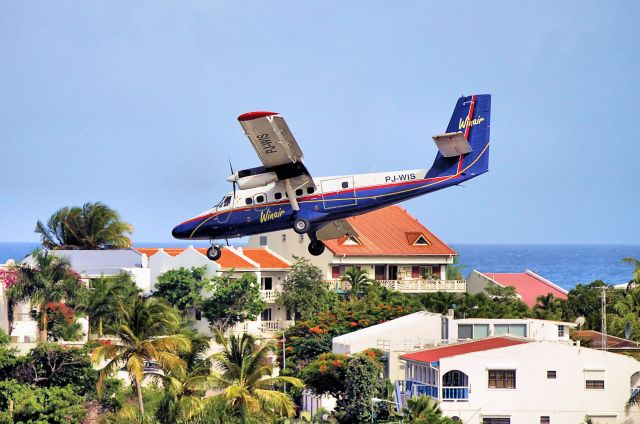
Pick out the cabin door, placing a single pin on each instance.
(338, 192)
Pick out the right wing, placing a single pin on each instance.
(335, 229)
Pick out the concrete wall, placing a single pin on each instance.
(288, 244)
(564, 399)
(476, 283)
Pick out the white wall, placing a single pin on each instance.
(536, 329)
(564, 399)
(162, 262)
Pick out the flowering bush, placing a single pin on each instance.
(8, 277)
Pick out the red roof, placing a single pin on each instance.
(529, 285)
(389, 231)
(229, 259)
(595, 340)
(264, 257)
(437, 353)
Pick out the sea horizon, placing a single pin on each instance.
(564, 264)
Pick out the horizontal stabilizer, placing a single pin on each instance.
(452, 144)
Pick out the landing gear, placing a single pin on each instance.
(316, 247)
(214, 252)
(301, 225)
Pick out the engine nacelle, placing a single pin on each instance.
(253, 181)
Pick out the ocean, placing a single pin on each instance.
(565, 265)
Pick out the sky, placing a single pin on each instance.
(135, 103)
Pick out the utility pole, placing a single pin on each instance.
(603, 318)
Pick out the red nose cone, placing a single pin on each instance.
(254, 115)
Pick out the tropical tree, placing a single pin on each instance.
(92, 226)
(635, 279)
(358, 280)
(46, 279)
(242, 373)
(182, 287)
(549, 307)
(423, 410)
(105, 298)
(148, 333)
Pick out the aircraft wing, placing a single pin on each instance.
(275, 145)
(335, 229)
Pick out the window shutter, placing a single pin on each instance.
(335, 271)
(415, 272)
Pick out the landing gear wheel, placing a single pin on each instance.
(214, 253)
(316, 247)
(301, 226)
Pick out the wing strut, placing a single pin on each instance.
(291, 194)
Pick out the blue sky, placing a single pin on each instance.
(134, 104)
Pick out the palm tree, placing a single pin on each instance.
(358, 279)
(46, 279)
(635, 279)
(104, 299)
(93, 226)
(147, 333)
(243, 375)
(422, 409)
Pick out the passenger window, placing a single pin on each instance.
(310, 190)
(227, 200)
(345, 184)
(278, 195)
(299, 192)
(260, 198)
(248, 201)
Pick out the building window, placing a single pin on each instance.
(198, 315)
(335, 271)
(496, 420)
(502, 379)
(421, 241)
(310, 190)
(266, 283)
(277, 195)
(561, 331)
(263, 240)
(513, 329)
(594, 384)
(393, 272)
(380, 272)
(289, 314)
(475, 331)
(266, 315)
(545, 420)
(551, 375)
(248, 201)
(345, 184)
(299, 192)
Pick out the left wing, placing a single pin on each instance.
(278, 150)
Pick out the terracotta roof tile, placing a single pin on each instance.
(229, 259)
(437, 353)
(264, 257)
(528, 285)
(388, 232)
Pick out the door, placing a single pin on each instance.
(338, 192)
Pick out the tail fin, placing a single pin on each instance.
(471, 117)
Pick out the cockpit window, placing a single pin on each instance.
(226, 201)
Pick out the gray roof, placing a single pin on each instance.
(96, 262)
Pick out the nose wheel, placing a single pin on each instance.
(214, 252)
(316, 247)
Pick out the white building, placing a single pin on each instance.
(392, 246)
(503, 380)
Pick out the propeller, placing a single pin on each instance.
(234, 182)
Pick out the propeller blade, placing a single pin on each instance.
(234, 181)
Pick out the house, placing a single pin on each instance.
(507, 380)
(269, 268)
(528, 284)
(425, 329)
(390, 245)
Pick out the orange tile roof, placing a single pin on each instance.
(229, 259)
(389, 231)
(265, 258)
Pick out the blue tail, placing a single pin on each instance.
(472, 117)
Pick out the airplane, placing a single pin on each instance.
(282, 194)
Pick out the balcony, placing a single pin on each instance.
(269, 296)
(412, 285)
(460, 393)
(274, 326)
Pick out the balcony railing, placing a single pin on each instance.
(269, 296)
(274, 326)
(413, 285)
(460, 393)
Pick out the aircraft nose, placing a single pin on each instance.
(182, 231)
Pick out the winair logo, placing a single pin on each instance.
(469, 122)
(268, 215)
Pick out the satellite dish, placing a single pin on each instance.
(627, 330)
(580, 321)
